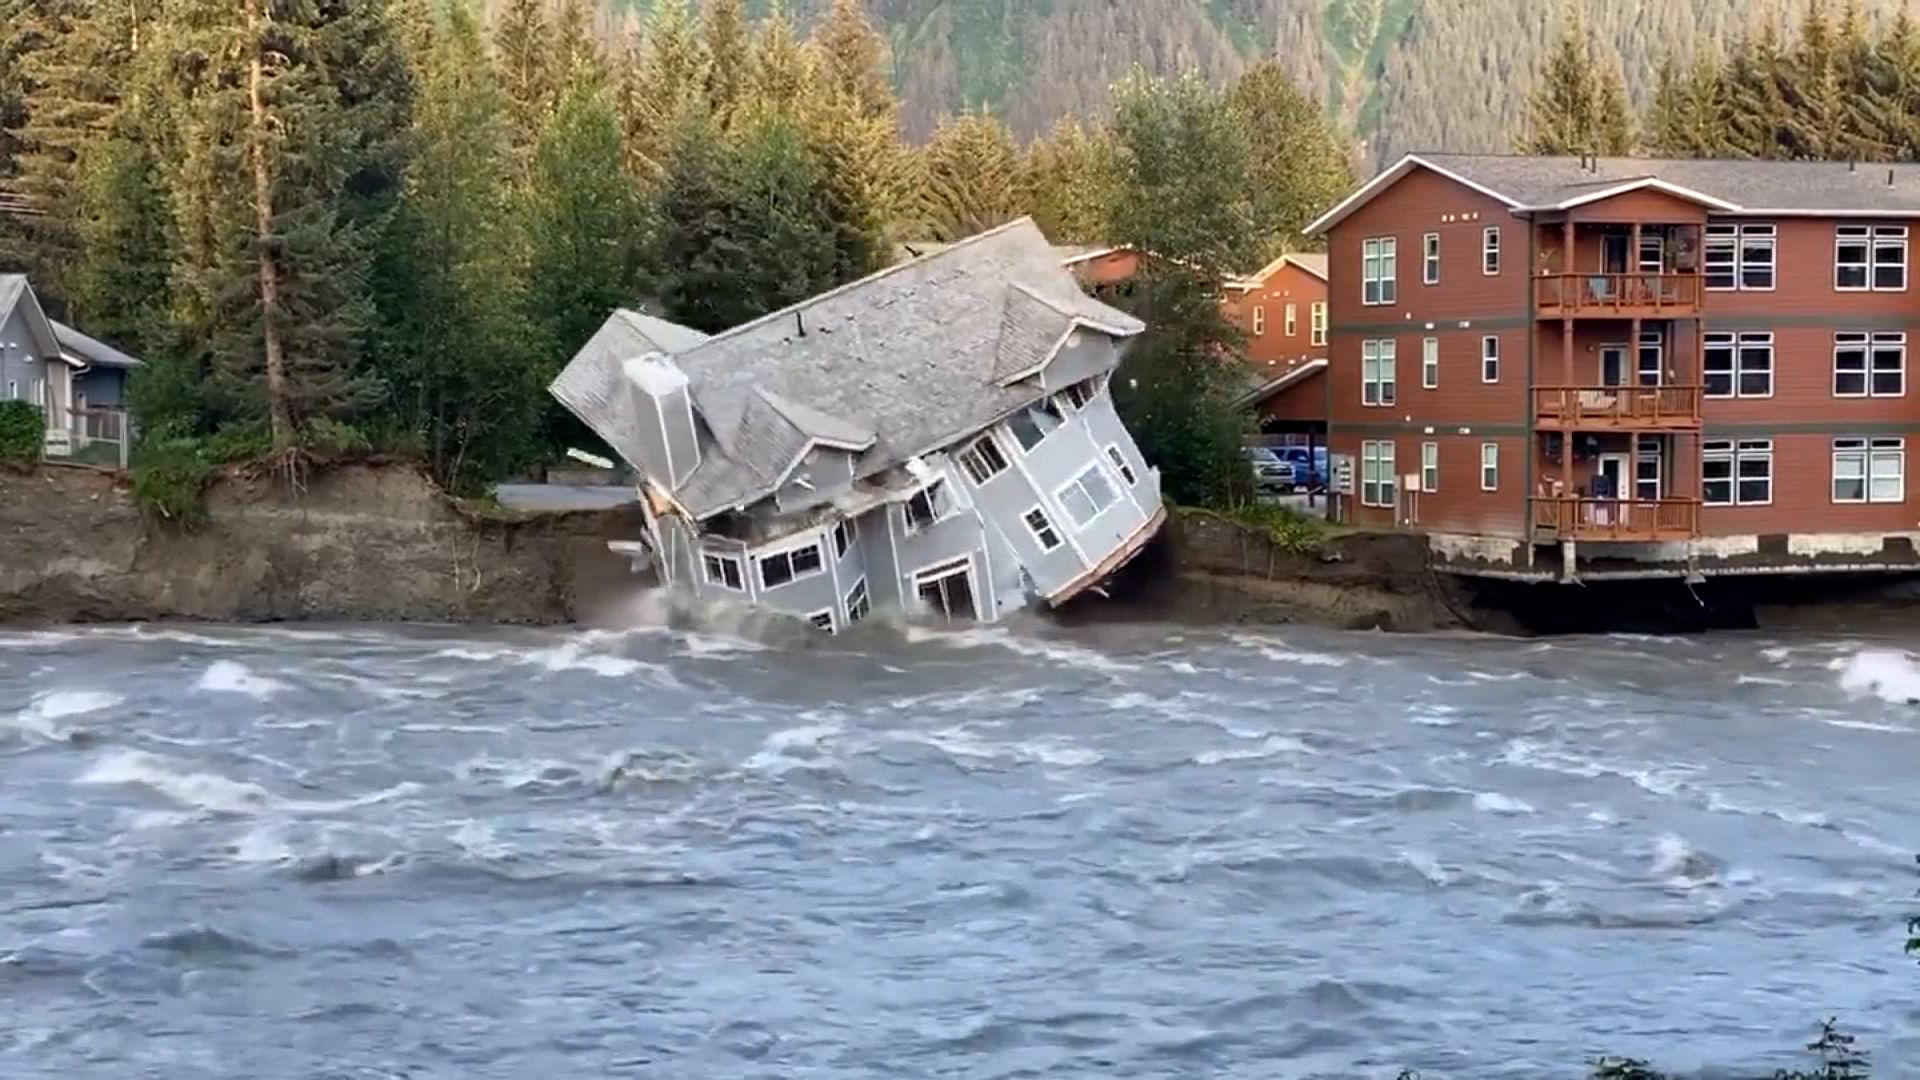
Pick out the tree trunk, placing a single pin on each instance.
(279, 393)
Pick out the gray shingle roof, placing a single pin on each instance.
(1798, 186)
(92, 350)
(912, 357)
(12, 288)
(593, 384)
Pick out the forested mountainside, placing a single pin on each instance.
(1398, 74)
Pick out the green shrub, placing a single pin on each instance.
(169, 477)
(334, 438)
(235, 444)
(23, 431)
(1287, 528)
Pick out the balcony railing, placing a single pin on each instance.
(1573, 517)
(1646, 294)
(1665, 407)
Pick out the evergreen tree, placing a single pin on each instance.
(120, 283)
(574, 44)
(1564, 113)
(461, 359)
(852, 123)
(523, 53)
(1817, 124)
(1066, 183)
(665, 86)
(1299, 167)
(1613, 117)
(780, 71)
(723, 29)
(1758, 113)
(969, 177)
(854, 59)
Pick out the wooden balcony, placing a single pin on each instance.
(1624, 408)
(1617, 296)
(1572, 517)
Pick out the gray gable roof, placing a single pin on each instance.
(15, 290)
(90, 349)
(12, 288)
(594, 383)
(909, 359)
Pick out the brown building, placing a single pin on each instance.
(1563, 367)
(1282, 312)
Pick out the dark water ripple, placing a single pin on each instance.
(1004, 852)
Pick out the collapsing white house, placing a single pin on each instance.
(938, 437)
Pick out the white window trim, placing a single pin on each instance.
(1318, 327)
(1430, 259)
(1493, 340)
(1430, 363)
(1867, 344)
(1738, 340)
(1868, 451)
(1872, 237)
(1386, 375)
(1122, 466)
(1006, 459)
(833, 620)
(1429, 467)
(1059, 539)
(1291, 322)
(1384, 455)
(1490, 251)
(1119, 495)
(820, 542)
(739, 564)
(1384, 248)
(1739, 234)
(1735, 450)
(861, 590)
(1489, 461)
(1259, 320)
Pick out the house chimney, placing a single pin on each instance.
(1853, 166)
(1889, 177)
(663, 430)
(799, 324)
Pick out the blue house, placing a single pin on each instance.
(79, 381)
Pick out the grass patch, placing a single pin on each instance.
(1287, 528)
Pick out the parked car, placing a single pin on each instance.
(1309, 466)
(1272, 474)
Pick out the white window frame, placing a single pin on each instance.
(1379, 383)
(1259, 320)
(1430, 363)
(1076, 396)
(1119, 462)
(1870, 461)
(1377, 455)
(1736, 346)
(846, 535)
(1878, 246)
(739, 570)
(1734, 453)
(760, 560)
(1317, 327)
(1429, 467)
(1292, 321)
(1379, 268)
(1078, 481)
(1490, 358)
(1490, 251)
(1862, 354)
(1430, 259)
(931, 490)
(1731, 244)
(1046, 524)
(1489, 466)
(1044, 405)
(971, 456)
(859, 602)
(824, 619)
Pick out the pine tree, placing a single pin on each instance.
(119, 285)
(723, 29)
(1066, 183)
(1668, 127)
(1758, 113)
(523, 54)
(854, 59)
(1564, 114)
(852, 123)
(1299, 167)
(969, 177)
(665, 86)
(574, 44)
(781, 73)
(1817, 109)
(1613, 117)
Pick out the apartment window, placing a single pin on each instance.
(859, 605)
(1086, 495)
(1740, 257)
(1653, 250)
(1869, 470)
(1042, 529)
(1376, 371)
(1430, 363)
(845, 531)
(923, 509)
(1489, 466)
(724, 571)
(1293, 321)
(1739, 365)
(1430, 259)
(1489, 359)
(1490, 250)
(1259, 320)
(1120, 465)
(1379, 261)
(1034, 423)
(1870, 257)
(983, 460)
(1376, 473)
(789, 566)
(1430, 466)
(1869, 365)
(1318, 316)
(1736, 473)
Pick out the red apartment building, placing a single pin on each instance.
(1281, 309)
(1561, 367)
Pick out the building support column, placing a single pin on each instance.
(1633, 266)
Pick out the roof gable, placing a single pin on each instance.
(16, 294)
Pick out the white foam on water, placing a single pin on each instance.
(477, 838)
(1680, 863)
(1883, 673)
(1866, 725)
(807, 746)
(709, 646)
(1761, 680)
(1776, 653)
(264, 844)
(452, 729)
(1271, 746)
(476, 655)
(212, 792)
(1493, 802)
(42, 713)
(573, 656)
(984, 637)
(1431, 719)
(1281, 652)
(231, 677)
(1427, 866)
(1485, 676)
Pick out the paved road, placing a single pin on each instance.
(563, 496)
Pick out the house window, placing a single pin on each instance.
(1489, 359)
(822, 620)
(1293, 320)
(1042, 529)
(983, 460)
(1739, 365)
(1079, 394)
(1259, 320)
(1489, 466)
(1430, 259)
(1869, 470)
(1120, 465)
(1430, 466)
(1034, 423)
(859, 606)
(1739, 257)
(1652, 253)
(1430, 363)
(1379, 261)
(724, 571)
(1490, 250)
(845, 531)
(1376, 372)
(1870, 257)
(789, 566)
(1376, 473)
(1869, 365)
(1649, 358)
(1736, 473)
(1318, 314)
(1086, 495)
(923, 509)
